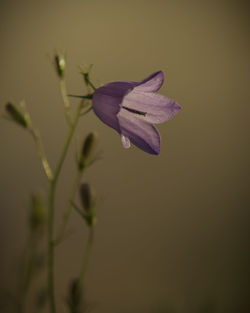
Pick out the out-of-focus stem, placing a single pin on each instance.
(51, 247)
(51, 210)
(25, 273)
(68, 208)
(86, 257)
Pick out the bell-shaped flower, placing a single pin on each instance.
(131, 108)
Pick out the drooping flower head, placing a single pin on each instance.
(131, 108)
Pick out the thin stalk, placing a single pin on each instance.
(67, 142)
(86, 257)
(68, 208)
(87, 111)
(51, 210)
(88, 96)
(51, 247)
(65, 101)
(25, 273)
(35, 134)
(91, 84)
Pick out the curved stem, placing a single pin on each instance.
(51, 210)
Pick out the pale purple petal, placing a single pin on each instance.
(157, 108)
(125, 141)
(151, 83)
(142, 134)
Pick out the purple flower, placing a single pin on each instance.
(131, 108)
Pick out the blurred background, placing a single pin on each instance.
(173, 230)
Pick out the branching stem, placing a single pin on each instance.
(51, 210)
(68, 208)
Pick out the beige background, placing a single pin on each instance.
(172, 233)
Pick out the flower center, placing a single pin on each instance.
(134, 111)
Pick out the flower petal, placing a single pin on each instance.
(158, 108)
(151, 83)
(142, 134)
(107, 100)
(116, 89)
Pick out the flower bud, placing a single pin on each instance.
(87, 197)
(60, 65)
(76, 297)
(88, 202)
(17, 115)
(89, 145)
(87, 149)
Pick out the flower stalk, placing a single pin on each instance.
(48, 172)
(65, 100)
(68, 209)
(53, 184)
(86, 256)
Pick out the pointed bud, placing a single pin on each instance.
(37, 214)
(76, 299)
(87, 150)
(89, 145)
(87, 197)
(60, 64)
(88, 202)
(17, 115)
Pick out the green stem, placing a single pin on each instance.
(26, 273)
(67, 142)
(51, 247)
(88, 96)
(91, 84)
(51, 210)
(68, 208)
(86, 257)
(35, 134)
(65, 100)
